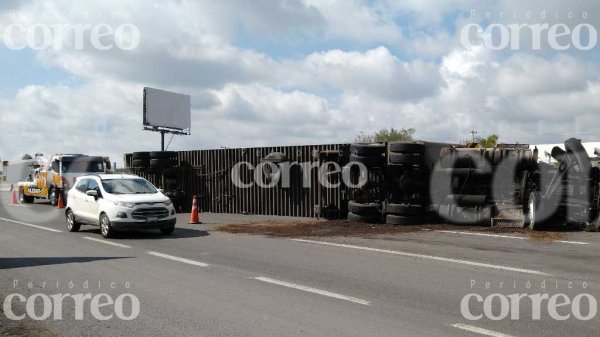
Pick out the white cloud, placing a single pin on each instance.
(259, 115)
(96, 118)
(524, 74)
(375, 72)
(355, 20)
(400, 66)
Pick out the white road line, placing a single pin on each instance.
(484, 234)
(31, 225)
(480, 331)
(106, 242)
(312, 290)
(19, 205)
(179, 259)
(508, 237)
(573, 242)
(429, 257)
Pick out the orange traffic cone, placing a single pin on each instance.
(14, 198)
(61, 203)
(194, 215)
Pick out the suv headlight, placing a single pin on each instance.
(125, 204)
(168, 202)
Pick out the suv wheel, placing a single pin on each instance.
(105, 227)
(72, 224)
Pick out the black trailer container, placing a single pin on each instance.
(208, 174)
(309, 185)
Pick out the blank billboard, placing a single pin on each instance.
(166, 109)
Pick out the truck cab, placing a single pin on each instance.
(57, 176)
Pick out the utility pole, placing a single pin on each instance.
(473, 132)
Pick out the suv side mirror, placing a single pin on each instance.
(92, 193)
(160, 190)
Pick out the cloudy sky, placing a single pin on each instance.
(281, 72)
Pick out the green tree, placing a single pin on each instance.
(489, 141)
(387, 135)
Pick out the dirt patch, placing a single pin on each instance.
(546, 237)
(359, 229)
(317, 228)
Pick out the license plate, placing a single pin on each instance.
(152, 220)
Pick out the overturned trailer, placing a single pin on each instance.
(241, 180)
(509, 186)
(568, 193)
(459, 184)
(302, 181)
(483, 186)
(400, 182)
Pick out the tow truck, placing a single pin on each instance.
(53, 179)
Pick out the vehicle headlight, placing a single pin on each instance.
(125, 204)
(168, 202)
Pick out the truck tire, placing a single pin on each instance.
(165, 163)
(404, 209)
(367, 149)
(140, 163)
(163, 155)
(392, 219)
(407, 147)
(370, 161)
(405, 159)
(140, 155)
(373, 218)
(53, 196)
(363, 209)
(25, 199)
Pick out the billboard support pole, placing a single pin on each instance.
(162, 140)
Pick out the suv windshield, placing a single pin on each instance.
(128, 186)
(82, 166)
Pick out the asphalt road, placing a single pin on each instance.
(198, 282)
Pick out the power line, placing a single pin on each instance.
(473, 132)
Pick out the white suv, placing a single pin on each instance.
(118, 202)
